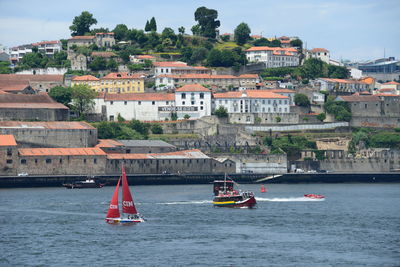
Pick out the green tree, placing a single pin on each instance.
(147, 27)
(174, 116)
(195, 29)
(301, 100)
(82, 99)
(97, 30)
(186, 117)
(112, 65)
(121, 32)
(169, 33)
(156, 129)
(5, 68)
(140, 127)
(82, 23)
(296, 43)
(181, 30)
(221, 112)
(153, 24)
(98, 63)
(321, 116)
(198, 55)
(242, 33)
(120, 118)
(61, 94)
(207, 21)
(278, 119)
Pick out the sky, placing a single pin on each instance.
(350, 29)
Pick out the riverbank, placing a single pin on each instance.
(170, 179)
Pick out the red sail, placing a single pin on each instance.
(127, 202)
(113, 210)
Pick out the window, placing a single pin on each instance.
(60, 161)
(23, 161)
(48, 161)
(125, 103)
(9, 152)
(111, 102)
(9, 161)
(201, 95)
(201, 108)
(84, 161)
(36, 161)
(183, 95)
(183, 103)
(192, 102)
(139, 103)
(111, 117)
(95, 161)
(153, 102)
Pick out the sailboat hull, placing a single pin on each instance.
(123, 221)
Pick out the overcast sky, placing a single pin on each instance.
(350, 29)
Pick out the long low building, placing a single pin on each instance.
(95, 161)
(51, 134)
(39, 107)
(171, 81)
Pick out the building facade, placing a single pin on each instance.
(345, 86)
(319, 53)
(113, 83)
(177, 68)
(273, 56)
(224, 82)
(48, 48)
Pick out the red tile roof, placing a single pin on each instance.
(7, 140)
(203, 76)
(20, 78)
(267, 48)
(184, 154)
(39, 101)
(82, 37)
(249, 76)
(46, 42)
(144, 57)
(170, 64)
(319, 50)
(250, 94)
(343, 81)
(192, 88)
(392, 82)
(140, 97)
(386, 90)
(282, 91)
(13, 87)
(386, 94)
(33, 106)
(85, 78)
(80, 151)
(123, 75)
(71, 125)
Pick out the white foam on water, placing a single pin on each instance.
(288, 199)
(185, 202)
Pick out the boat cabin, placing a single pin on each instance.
(222, 185)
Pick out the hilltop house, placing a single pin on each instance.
(273, 56)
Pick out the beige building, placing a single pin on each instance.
(114, 83)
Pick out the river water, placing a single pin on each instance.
(356, 225)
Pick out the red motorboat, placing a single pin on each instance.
(314, 196)
(226, 196)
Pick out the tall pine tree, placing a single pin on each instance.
(147, 27)
(153, 24)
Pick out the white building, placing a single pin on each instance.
(319, 53)
(48, 48)
(193, 100)
(273, 56)
(285, 92)
(177, 68)
(252, 101)
(244, 81)
(18, 52)
(140, 59)
(342, 85)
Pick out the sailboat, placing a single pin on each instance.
(129, 212)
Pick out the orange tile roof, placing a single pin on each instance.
(140, 97)
(7, 140)
(71, 125)
(267, 48)
(319, 50)
(170, 64)
(392, 82)
(108, 143)
(20, 78)
(123, 75)
(282, 91)
(13, 87)
(386, 94)
(192, 88)
(46, 42)
(360, 98)
(85, 78)
(342, 81)
(80, 151)
(387, 89)
(250, 94)
(249, 76)
(184, 154)
(144, 57)
(82, 37)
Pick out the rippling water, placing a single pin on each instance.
(356, 225)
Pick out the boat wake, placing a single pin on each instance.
(185, 202)
(287, 199)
